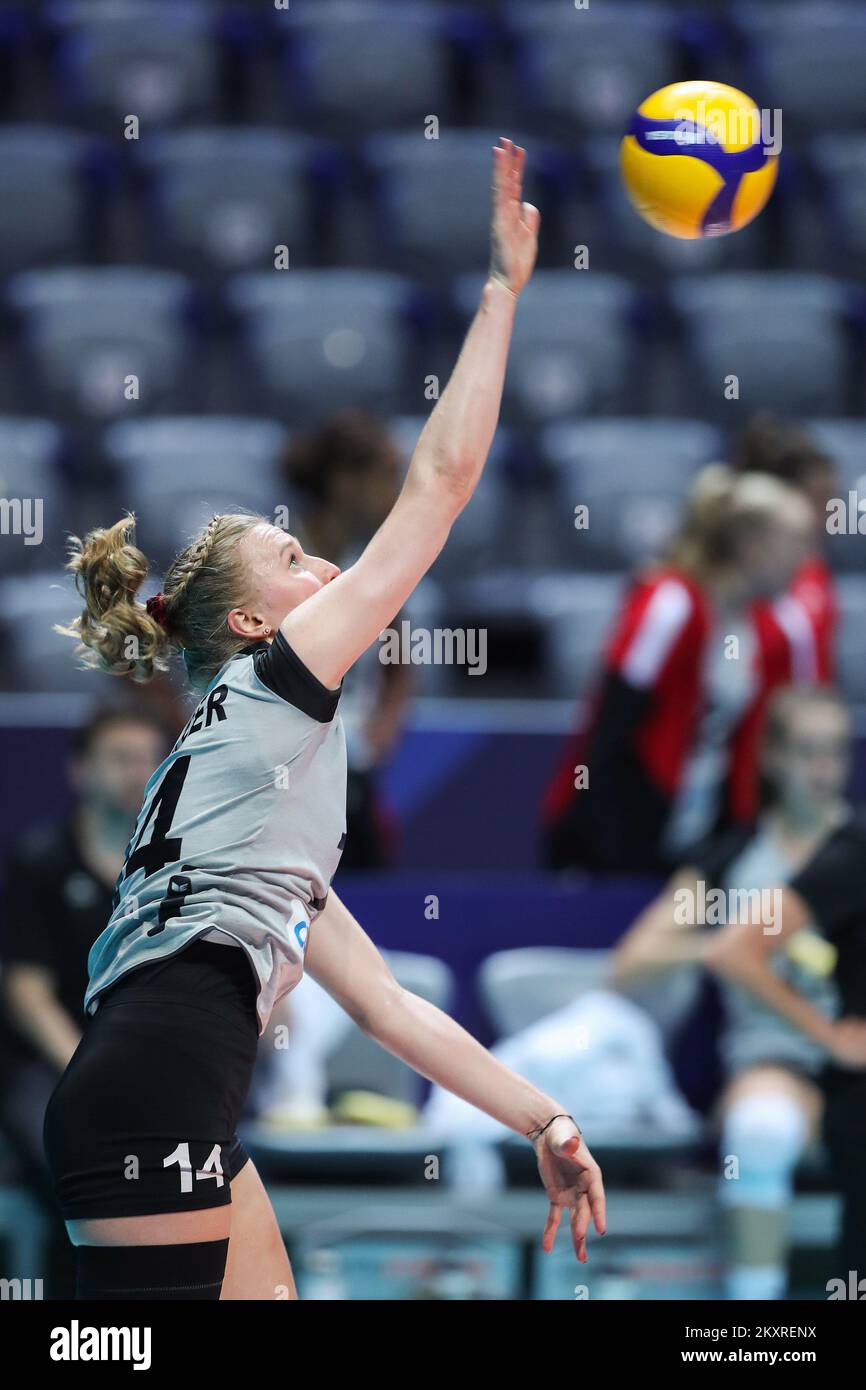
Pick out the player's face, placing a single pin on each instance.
(811, 767)
(284, 575)
(772, 556)
(116, 769)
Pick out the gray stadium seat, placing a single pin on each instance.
(811, 59)
(88, 330)
(477, 536)
(632, 475)
(782, 334)
(319, 340)
(366, 62)
(594, 65)
(29, 479)
(38, 658)
(520, 987)
(576, 612)
(176, 471)
(434, 195)
(571, 353)
(157, 59)
(229, 194)
(852, 634)
(42, 194)
(358, 1063)
(839, 161)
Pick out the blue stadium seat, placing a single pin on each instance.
(593, 65)
(782, 334)
(433, 196)
(90, 334)
(174, 472)
(365, 62)
(632, 475)
(318, 340)
(809, 60)
(573, 346)
(227, 196)
(44, 194)
(156, 59)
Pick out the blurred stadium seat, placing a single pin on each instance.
(591, 66)
(520, 987)
(808, 60)
(574, 344)
(852, 625)
(225, 197)
(46, 197)
(782, 335)
(632, 475)
(576, 612)
(432, 196)
(30, 452)
(107, 340)
(318, 340)
(408, 78)
(156, 59)
(176, 471)
(37, 657)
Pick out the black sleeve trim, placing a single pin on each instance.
(282, 671)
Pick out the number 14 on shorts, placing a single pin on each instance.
(211, 1169)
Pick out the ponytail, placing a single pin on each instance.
(115, 632)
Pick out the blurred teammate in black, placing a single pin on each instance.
(58, 889)
(831, 891)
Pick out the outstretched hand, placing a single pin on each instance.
(572, 1180)
(514, 230)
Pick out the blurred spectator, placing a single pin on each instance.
(670, 748)
(771, 1104)
(787, 451)
(59, 886)
(347, 475)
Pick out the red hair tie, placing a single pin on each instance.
(156, 608)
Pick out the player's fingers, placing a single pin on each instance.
(551, 1226)
(579, 1222)
(598, 1204)
(531, 217)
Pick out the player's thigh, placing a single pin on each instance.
(257, 1266)
(776, 1080)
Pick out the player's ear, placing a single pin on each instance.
(244, 624)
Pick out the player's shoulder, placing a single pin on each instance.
(277, 667)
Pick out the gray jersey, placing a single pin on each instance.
(241, 829)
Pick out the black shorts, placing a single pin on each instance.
(144, 1118)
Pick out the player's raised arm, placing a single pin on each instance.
(334, 626)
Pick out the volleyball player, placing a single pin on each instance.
(230, 864)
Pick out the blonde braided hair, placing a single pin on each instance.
(117, 634)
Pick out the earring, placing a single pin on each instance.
(267, 632)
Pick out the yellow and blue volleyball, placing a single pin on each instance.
(696, 160)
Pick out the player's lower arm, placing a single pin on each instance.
(434, 1045)
(733, 960)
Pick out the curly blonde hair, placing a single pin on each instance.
(116, 633)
